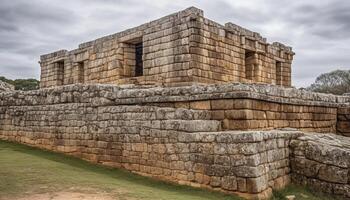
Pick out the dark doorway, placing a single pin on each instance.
(278, 73)
(138, 60)
(81, 69)
(249, 64)
(60, 72)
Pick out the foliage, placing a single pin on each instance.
(335, 82)
(22, 84)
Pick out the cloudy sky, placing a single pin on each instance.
(318, 31)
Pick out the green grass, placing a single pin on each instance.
(301, 193)
(26, 170)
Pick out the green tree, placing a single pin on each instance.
(335, 82)
(22, 84)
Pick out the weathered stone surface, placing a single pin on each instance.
(5, 87)
(322, 162)
(171, 134)
(343, 120)
(316, 114)
(256, 185)
(169, 56)
(176, 144)
(333, 174)
(229, 183)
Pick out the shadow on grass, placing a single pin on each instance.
(119, 174)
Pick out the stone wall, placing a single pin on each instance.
(322, 162)
(248, 114)
(179, 145)
(6, 87)
(231, 53)
(111, 59)
(177, 50)
(235, 106)
(343, 123)
(175, 134)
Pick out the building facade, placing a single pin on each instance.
(176, 50)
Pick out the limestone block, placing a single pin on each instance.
(221, 104)
(229, 183)
(256, 185)
(333, 174)
(249, 172)
(200, 105)
(215, 181)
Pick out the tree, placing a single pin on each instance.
(335, 82)
(22, 84)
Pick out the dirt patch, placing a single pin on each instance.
(67, 195)
(71, 194)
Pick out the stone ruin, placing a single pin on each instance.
(242, 137)
(176, 50)
(6, 87)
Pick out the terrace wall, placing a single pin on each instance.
(322, 162)
(160, 142)
(343, 123)
(173, 134)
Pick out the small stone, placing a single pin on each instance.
(304, 195)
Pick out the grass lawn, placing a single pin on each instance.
(26, 172)
(302, 193)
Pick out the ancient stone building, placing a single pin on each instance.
(178, 49)
(243, 138)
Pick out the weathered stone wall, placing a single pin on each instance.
(175, 134)
(178, 49)
(179, 145)
(236, 106)
(6, 87)
(322, 162)
(249, 114)
(111, 59)
(343, 123)
(248, 107)
(231, 53)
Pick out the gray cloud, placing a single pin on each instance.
(317, 31)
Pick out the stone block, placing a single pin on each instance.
(241, 184)
(239, 114)
(182, 105)
(218, 114)
(222, 104)
(333, 174)
(215, 181)
(256, 185)
(200, 105)
(249, 172)
(229, 183)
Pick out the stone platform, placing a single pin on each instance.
(218, 137)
